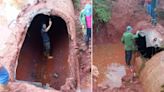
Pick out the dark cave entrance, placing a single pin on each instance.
(146, 52)
(33, 66)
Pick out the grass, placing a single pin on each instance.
(101, 12)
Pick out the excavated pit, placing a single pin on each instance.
(33, 66)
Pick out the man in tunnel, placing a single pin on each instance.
(46, 38)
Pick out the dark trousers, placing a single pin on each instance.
(46, 47)
(46, 43)
(128, 57)
(88, 36)
(154, 18)
(153, 12)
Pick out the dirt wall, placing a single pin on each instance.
(124, 12)
(14, 34)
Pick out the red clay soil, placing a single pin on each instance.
(108, 49)
(105, 55)
(84, 55)
(14, 38)
(33, 66)
(124, 12)
(107, 34)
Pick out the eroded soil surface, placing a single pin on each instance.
(110, 62)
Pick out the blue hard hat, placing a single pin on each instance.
(88, 10)
(129, 28)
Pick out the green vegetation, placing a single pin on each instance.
(101, 11)
(76, 4)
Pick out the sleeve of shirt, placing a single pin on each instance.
(122, 39)
(135, 36)
(81, 18)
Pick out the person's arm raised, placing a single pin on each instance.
(50, 23)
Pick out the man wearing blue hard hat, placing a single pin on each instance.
(129, 45)
(86, 21)
(4, 79)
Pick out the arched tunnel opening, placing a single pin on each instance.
(33, 66)
(146, 52)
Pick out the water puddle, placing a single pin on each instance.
(115, 73)
(84, 90)
(104, 56)
(110, 63)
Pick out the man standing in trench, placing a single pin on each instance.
(46, 39)
(4, 78)
(88, 18)
(128, 41)
(86, 22)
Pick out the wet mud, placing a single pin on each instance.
(114, 75)
(104, 55)
(33, 66)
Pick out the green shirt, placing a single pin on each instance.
(128, 41)
(82, 17)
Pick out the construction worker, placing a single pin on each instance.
(88, 18)
(86, 21)
(83, 22)
(128, 41)
(151, 9)
(4, 79)
(148, 7)
(46, 39)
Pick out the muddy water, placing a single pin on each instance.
(109, 59)
(104, 55)
(33, 66)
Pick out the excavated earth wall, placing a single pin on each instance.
(13, 34)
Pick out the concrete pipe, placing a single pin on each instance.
(151, 71)
(152, 76)
(22, 52)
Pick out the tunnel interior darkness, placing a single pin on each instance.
(33, 66)
(146, 52)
